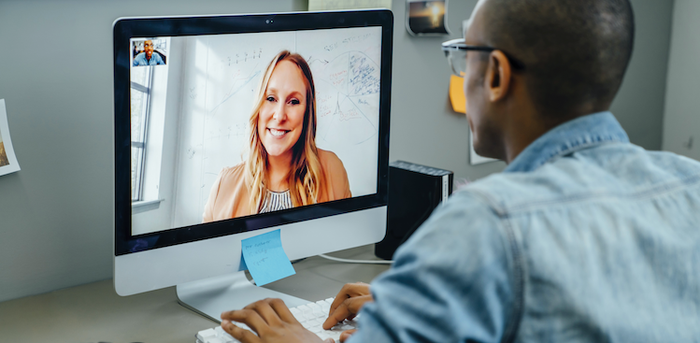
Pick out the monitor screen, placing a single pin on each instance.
(226, 125)
(236, 115)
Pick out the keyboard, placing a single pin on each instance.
(311, 316)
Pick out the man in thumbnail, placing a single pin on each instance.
(147, 57)
(584, 237)
(284, 168)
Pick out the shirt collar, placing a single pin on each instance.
(580, 133)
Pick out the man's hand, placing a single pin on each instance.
(270, 319)
(347, 304)
(346, 334)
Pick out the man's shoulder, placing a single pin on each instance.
(466, 205)
(158, 58)
(611, 169)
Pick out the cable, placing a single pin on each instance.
(343, 260)
(299, 260)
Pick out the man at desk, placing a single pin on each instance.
(147, 57)
(583, 238)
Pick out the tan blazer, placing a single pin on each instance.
(229, 195)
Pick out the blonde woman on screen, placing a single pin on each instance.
(284, 167)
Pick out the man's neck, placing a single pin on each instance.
(521, 136)
(526, 132)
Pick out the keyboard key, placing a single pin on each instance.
(325, 305)
(205, 334)
(305, 309)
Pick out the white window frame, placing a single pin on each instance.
(142, 142)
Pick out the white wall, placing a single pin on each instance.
(681, 130)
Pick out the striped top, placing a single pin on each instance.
(275, 201)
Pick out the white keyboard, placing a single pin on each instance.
(311, 316)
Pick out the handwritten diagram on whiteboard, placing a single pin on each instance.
(219, 79)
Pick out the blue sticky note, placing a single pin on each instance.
(265, 258)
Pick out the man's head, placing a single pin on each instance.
(574, 53)
(148, 48)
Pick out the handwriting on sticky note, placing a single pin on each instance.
(265, 258)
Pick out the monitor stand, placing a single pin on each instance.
(210, 297)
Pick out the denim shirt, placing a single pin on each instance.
(141, 60)
(583, 238)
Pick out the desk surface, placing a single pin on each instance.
(95, 313)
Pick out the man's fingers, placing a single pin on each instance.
(347, 310)
(343, 294)
(282, 311)
(265, 310)
(355, 304)
(243, 335)
(349, 290)
(248, 317)
(260, 316)
(345, 335)
(336, 316)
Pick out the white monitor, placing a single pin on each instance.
(205, 120)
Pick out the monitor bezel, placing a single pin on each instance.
(128, 28)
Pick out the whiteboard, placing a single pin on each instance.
(219, 77)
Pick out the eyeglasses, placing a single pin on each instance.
(456, 53)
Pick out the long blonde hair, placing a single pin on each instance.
(306, 172)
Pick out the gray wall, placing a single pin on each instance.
(682, 116)
(56, 77)
(639, 105)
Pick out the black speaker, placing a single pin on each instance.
(414, 191)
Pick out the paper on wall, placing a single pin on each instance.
(8, 160)
(459, 104)
(457, 97)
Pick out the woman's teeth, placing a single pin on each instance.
(277, 133)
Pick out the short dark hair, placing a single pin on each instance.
(574, 52)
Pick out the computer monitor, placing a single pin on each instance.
(206, 115)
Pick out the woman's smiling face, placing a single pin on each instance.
(281, 117)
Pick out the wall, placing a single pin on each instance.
(681, 133)
(56, 76)
(425, 130)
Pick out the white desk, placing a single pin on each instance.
(94, 313)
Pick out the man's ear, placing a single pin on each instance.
(498, 76)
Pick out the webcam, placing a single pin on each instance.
(269, 21)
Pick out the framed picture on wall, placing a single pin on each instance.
(426, 17)
(8, 161)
